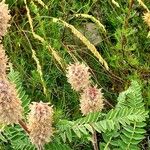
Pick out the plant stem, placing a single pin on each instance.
(24, 126)
(129, 11)
(94, 140)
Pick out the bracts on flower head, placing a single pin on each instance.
(3, 62)
(40, 121)
(78, 76)
(4, 18)
(10, 104)
(91, 100)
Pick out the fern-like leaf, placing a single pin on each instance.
(132, 134)
(14, 77)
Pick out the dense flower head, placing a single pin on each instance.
(10, 105)
(91, 100)
(146, 18)
(4, 18)
(3, 61)
(40, 123)
(78, 76)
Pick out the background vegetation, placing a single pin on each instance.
(40, 64)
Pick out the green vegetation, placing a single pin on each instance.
(45, 36)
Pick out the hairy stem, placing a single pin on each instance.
(24, 126)
(94, 141)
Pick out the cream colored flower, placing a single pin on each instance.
(3, 62)
(146, 18)
(10, 105)
(4, 18)
(91, 100)
(78, 76)
(40, 123)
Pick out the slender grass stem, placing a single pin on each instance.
(129, 11)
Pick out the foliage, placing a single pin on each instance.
(121, 127)
(40, 66)
(131, 135)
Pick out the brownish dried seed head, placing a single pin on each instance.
(40, 123)
(78, 76)
(91, 100)
(10, 104)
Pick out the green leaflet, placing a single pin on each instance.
(132, 134)
(115, 119)
(17, 137)
(14, 77)
(122, 127)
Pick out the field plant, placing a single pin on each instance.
(74, 75)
